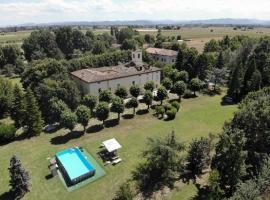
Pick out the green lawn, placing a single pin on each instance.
(197, 118)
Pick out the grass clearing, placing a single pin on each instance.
(196, 118)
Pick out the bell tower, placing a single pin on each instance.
(137, 57)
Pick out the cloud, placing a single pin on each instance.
(24, 11)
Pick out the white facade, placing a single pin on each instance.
(112, 84)
(166, 59)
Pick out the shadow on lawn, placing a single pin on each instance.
(95, 128)
(128, 116)
(6, 196)
(111, 123)
(142, 112)
(62, 139)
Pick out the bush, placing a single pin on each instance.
(7, 132)
(171, 113)
(167, 107)
(176, 105)
(160, 111)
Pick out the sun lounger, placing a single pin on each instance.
(117, 161)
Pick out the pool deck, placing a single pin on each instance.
(100, 172)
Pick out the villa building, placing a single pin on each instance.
(94, 80)
(163, 55)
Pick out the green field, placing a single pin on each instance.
(197, 118)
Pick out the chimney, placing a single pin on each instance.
(137, 57)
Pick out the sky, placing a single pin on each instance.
(13, 12)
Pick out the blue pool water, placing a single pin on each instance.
(74, 162)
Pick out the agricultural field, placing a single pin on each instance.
(196, 118)
(198, 35)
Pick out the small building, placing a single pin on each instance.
(163, 55)
(94, 80)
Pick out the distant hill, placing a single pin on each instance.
(224, 21)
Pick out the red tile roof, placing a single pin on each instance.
(163, 52)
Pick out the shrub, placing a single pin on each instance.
(160, 111)
(167, 107)
(171, 113)
(7, 132)
(176, 105)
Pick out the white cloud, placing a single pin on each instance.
(19, 11)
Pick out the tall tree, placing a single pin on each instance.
(230, 158)
(19, 178)
(195, 85)
(5, 96)
(18, 106)
(83, 115)
(180, 60)
(198, 156)
(220, 61)
(235, 84)
(32, 116)
(163, 162)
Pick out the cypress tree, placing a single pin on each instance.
(235, 84)
(19, 178)
(18, 106)
(220, 61)
(248, 74)
(179, 60)
(33, 119)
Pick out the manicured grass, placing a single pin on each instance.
(197, 118)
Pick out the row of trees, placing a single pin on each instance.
(240, 163)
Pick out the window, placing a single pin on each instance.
(118, 85)
(172, 60)
(133, 55)
(139, 55)
(99, 90)
(133, 82)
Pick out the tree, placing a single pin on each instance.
(162, 94)
(117, 106)
(68, 119)
(220, 61)
(218, 76)
(171, 113)
(211, 46)
(179, 88)
(5, 96)
(135, 90)
(102, 111)
(198, 156)
(150, 39)
(160, 110)
(255, 81)
(129, 44)
(163, 162)
(247, 190)
(105, 95)
(99, 47)
(167, 83)
(230, 158)
(235, 84)
(18, 106)
(125, 33)
(19, 178)
(150, 85)
(133, 103)
(125, 192)
(41, 44)
(121, 92)
(179, 60)
(183, 76)
(64, 40)
(32, 116)
(215, 191)
(83, 115)
(56, 107)
(90, 101)
(148, 98)
(201, 66)
(195, 85)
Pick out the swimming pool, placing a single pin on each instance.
(74, 166)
